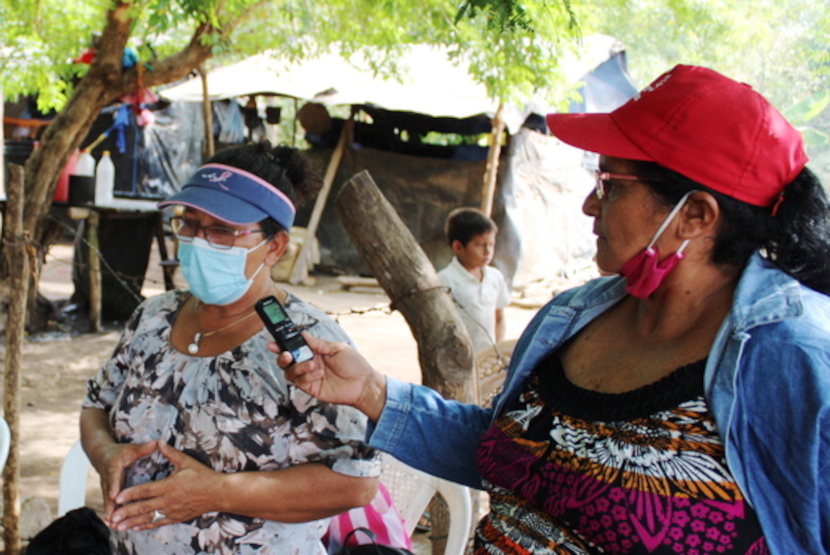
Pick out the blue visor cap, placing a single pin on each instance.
(234, 196)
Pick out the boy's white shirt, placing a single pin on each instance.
(477, 300)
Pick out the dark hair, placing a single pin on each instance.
(285, 167)
(465, 223)
(796, 239)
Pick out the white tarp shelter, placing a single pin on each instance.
(429, 83)
(543, 233)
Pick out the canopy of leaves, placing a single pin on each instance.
(514, 46)
(781, 48)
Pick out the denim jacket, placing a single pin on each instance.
(767, 381)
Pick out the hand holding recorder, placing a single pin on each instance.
(283, 329)
(337, 374)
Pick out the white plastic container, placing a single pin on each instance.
(85, 165)
(104, 180)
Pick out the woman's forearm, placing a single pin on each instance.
(295, 494)
(96, 436)
(108, 457)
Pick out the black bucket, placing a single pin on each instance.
(81, 190)
(15, 152)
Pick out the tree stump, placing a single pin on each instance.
(408, 277)
(403, 270)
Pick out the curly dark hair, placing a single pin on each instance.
(796, 239)
(285, 167)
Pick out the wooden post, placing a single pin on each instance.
(294, 125)
(168, 266)
(301, 265)
(207, 108)
(17, 255)
(2, 150)
(94, 272)
(491, 173)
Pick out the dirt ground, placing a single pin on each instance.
(56, 366)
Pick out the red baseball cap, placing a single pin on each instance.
(701, 124)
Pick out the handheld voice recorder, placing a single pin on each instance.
(285, 332)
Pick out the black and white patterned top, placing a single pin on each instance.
(232, 412)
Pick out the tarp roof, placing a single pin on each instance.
(430, 83)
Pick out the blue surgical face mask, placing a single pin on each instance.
(216, 276)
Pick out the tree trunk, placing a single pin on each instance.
(106, 81)
(17, 244)
(445, 351)
(408, 277)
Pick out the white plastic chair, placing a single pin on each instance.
(5, 442)
(491, 369)
(411, 492)
(74, 473)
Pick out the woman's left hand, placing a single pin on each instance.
(190, 491)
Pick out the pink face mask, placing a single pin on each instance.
(644, 272)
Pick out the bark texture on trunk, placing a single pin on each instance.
(408, 277)
(16, 241)
(399, 264)
(105, 82)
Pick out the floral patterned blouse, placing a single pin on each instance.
(232, 412)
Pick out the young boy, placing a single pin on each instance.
(478, 290)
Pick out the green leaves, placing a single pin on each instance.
(514, 44)
(502, 15)
(801, 113)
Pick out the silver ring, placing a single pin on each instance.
(158, 516)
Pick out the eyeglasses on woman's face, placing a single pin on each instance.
(218, 236)
(602, 188)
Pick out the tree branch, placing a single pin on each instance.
(105, 82)
(174, 67)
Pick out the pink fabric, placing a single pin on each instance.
(379, 516)
(644, 274)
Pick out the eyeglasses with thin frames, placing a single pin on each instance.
(601, 189)
(217, 236)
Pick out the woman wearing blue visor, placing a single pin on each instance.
(201, 444)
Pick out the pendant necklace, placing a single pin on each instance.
(193, 348)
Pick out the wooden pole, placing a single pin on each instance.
(300, 271)
(491, 173)
(94, 272)
(18, 257)
(2, 151)
(294, 125)
(207, 109)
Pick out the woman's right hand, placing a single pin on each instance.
(337, 374)
(111, 463)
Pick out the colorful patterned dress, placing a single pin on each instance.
(232, 412)
(573, 471)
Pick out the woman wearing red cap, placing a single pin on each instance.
(679, 406)
(201, 444)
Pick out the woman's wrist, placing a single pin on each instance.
(373, 398)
